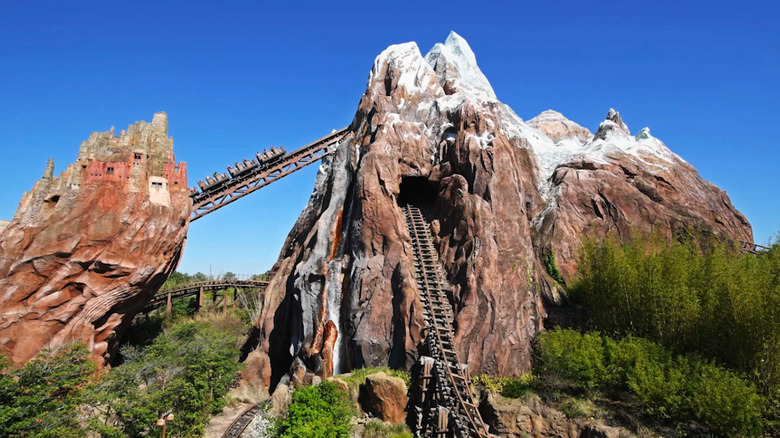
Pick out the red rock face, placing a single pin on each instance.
(88, 248)
(500, 194)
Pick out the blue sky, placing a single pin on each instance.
(237, 76)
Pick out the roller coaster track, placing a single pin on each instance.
(752, 248)
(242, 422)
(163, 297)
(453, 397)
(236, 188)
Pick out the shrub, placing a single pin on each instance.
(380, 429)
(510, 387)
(670, 386)
(41, 399)
(572, 356)
(573, 407)
(722, 400)
(187, 369)
(552, 268)
(718, 302)
(321, 411)
(358, 377)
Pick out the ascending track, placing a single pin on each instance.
(232, 189)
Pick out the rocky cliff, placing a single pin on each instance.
(86, 249)
(500, 193)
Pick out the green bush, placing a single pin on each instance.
(321, 411)
(42, 398)
(722, 400)
(380, 429)
(187, 369)
(358, 377)
(572, 356)
(510, 387)
(670, 386)
(552, 268)
(574, 407)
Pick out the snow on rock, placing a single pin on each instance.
(402, 65)
(456, 67)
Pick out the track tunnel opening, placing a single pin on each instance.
(417, 191)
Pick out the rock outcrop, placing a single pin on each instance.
(385, 398)
(88, 248)
(530, 417)
(500, 193)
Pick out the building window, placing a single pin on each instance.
(137, 156)
(109, 170)
(156, 184)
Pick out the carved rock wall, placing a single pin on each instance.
(86, 249)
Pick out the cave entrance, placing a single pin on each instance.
(417, 191)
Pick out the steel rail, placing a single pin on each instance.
(240, 424)
(236, 188)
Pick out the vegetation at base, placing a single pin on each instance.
(358, 377)
(510, 387)
(719, 303)
(42, 398)
(669, 385)
(552, 268)
(380, 429)
(187, 369)
(321, 411)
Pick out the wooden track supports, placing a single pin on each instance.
(447, 406)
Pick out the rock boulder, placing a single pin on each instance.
(385, 397)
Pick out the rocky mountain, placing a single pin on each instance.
(501, 195)
(88, 248)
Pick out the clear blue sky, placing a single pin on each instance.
(237, 76)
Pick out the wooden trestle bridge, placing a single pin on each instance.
(166, 296)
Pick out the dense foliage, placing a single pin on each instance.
(720, 303)
(188, 369)
(321, 411)
(669, 385)
(42, 398)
